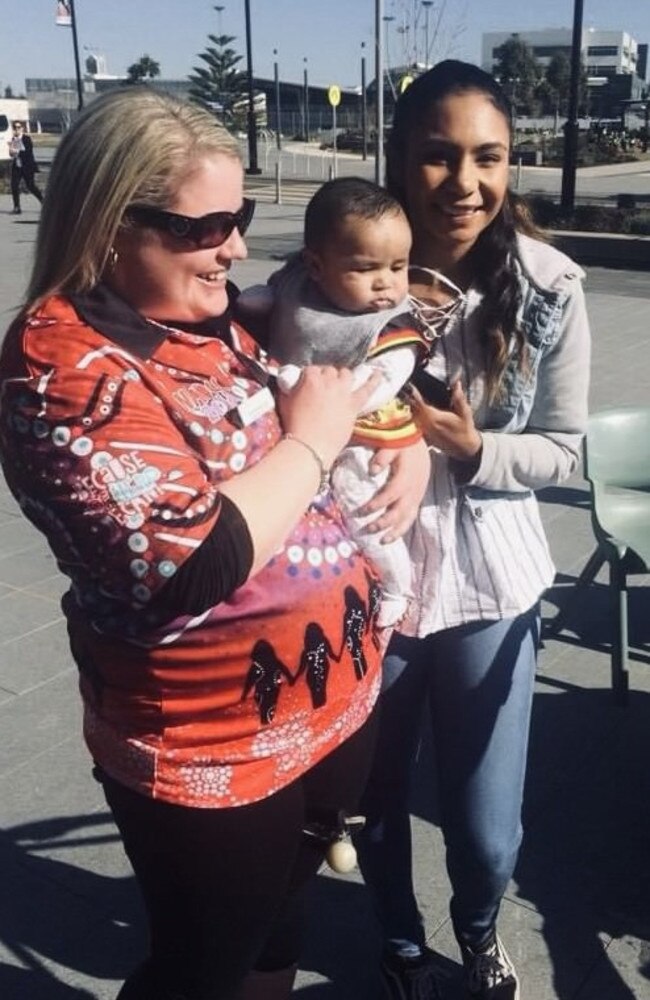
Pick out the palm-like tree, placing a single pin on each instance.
(145, 68)
(219, 84)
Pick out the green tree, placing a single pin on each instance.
(219, 84)
(558, 76)
(9, 92)
(558, 80)
(145, 68)
(519, 73)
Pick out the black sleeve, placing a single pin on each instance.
(221, 564)
(257, 326)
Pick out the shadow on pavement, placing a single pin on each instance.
(56, 912)
(18, 983)
(584, 864)
(589, 622)
(584, 867)
(343, 944)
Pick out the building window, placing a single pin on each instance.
(597, 70)
(548, 51)
(602, 50)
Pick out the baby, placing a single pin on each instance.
(344, 301)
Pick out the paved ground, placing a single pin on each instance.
(576, 918)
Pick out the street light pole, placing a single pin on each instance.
(513, 103)
(75, 46)
(379, 83)
(387, 18)
(570, 161)
(364, 105)
(306, 87)
(426, 4)
(276, 77)
(252, 167)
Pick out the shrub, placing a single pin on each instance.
(599, 219)
(543, 210)
(640, 226)
(625, 218)
(627, 201)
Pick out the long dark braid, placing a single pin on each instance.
(496, 249)
(496, 278)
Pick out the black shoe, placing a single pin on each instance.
(405, 978)
(17, 210)
(489, 973)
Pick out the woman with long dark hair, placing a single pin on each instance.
(516, 356)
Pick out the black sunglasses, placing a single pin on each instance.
(207, 231)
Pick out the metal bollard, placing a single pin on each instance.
(278, 183)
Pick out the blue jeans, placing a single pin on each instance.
(477, 681)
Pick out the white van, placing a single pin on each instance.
(5, 136)
(11, 109)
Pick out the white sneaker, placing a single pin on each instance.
(489, 973)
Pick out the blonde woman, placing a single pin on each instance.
(139, 434)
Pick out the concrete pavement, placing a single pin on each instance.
(576, 918)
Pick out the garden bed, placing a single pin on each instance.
(628, 218)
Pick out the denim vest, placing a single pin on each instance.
(540, 316)
(546, 280)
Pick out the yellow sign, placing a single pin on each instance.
(405, 82)
(334, 95)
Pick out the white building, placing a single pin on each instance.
(604, 53)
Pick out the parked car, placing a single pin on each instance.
(347, 141)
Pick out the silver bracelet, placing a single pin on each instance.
(324, 472)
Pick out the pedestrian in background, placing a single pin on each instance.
(23, 165)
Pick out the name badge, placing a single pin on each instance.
(253, 407)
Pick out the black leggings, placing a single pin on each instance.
(18, 174)
(223, 887)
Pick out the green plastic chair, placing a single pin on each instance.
(617, 465)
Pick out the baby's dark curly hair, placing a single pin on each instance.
(342, 197)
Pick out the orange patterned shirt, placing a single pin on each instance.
(115, 444)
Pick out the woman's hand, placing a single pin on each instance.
(322, 408)
(399, 500)
(320, 411)
(452, 431)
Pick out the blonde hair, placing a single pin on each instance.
(130, 145)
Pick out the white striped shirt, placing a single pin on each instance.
(475, 557)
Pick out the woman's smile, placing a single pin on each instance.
(214, 277)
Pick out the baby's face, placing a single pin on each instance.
(364, 267)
